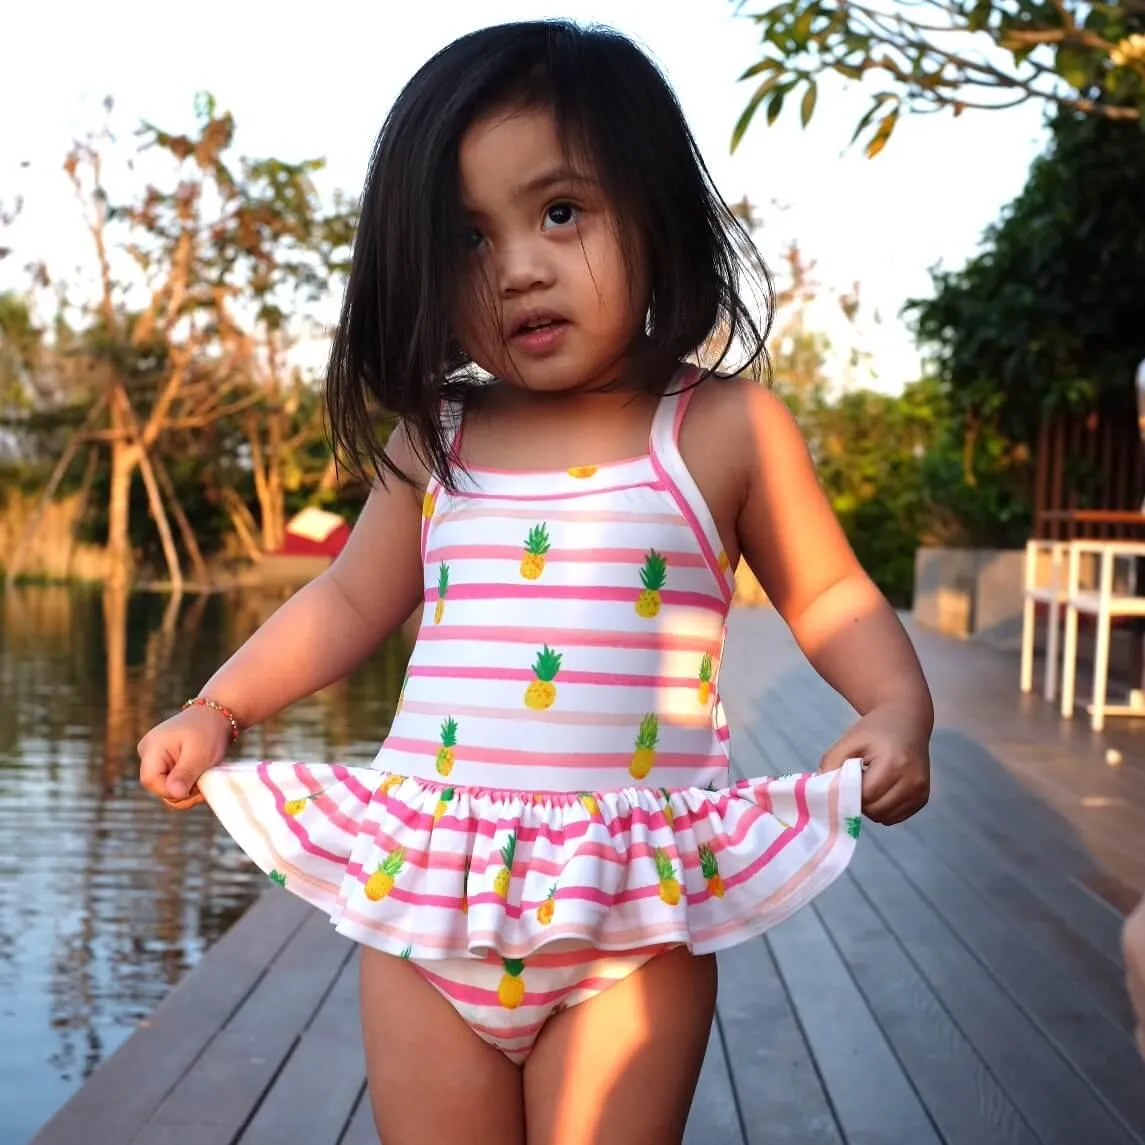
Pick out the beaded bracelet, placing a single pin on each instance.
(215, 706)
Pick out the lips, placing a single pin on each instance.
(533, 321)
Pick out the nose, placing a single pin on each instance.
(523, 267)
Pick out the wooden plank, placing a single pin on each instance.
(779, 1092)
(966, 1102)
(116, 1101)
(226, 1084)
(1045, 924)
(714, 1118)
(361, 1129)
(871, 1096)
(1101, 1052)
(1054, 1100)
(312, 1099)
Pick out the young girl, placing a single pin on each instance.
(548, 847)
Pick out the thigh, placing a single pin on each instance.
(431, 1078)
(621, 1068)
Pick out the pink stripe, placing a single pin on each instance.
(471, 995)
(558, 556)
(701, 718)
(687, 513)
(512, 758)
(569, 676)
(592, 490)
(532, 591)
(295, 828)
(604, 516)
(655, 640)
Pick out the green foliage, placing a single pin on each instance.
(1049, 315)
(949, 55)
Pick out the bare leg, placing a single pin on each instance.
(432, 1079)
(621, 1068)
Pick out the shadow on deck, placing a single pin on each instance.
(960, 985)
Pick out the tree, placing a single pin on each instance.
(925, 56)
(1048, 316)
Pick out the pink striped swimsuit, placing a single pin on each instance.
(553, 805)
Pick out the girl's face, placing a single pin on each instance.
(543, 250)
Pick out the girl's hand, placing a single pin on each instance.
(1133, 943)
(893, 742)
(176, 752)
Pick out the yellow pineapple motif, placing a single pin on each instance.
(428, 505)
(389, 783)
(669, 814)
(542, 692)
(666, 872)
(511, 990)
(645, 754)
(443, 802)
(503, 877)
(536, 545)
(442, 589)
(710, 869)
(545, 909)
(381, 882)
(463, 906)
(295, 806)
(653, 574)
(722, 561)
(444, 762)
(582, 471)
(705, 690)
(589, 803)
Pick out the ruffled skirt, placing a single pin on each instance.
(425, 871)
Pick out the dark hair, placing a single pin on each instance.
(393, 353)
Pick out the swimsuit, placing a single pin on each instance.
(552, 805)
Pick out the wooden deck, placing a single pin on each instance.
(960, 985)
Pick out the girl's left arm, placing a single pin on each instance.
(844, 625)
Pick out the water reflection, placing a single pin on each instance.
(106, 898)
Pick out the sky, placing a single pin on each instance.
(317, 79)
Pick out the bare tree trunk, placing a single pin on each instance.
(124, 458)
(187, 534)
(244, 525)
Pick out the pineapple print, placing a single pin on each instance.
(443, 802)
(444, 763)
(406, 952)
(505, 874)
(542, 692)
(511, 990)
(278, 878)
(722, 561)
(705, 691)
(669, 814)
(533, 559)
(463, 906)
(666, 873)
(442, 589)
(854, 826)
(710, 869)
(381, 882)
(428, 505)
(546, 908)
(652, 576)
(389, 783)
(295, 807)
(589, 803)
(645, 754)
(582, 471)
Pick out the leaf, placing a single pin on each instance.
(883, 133)
(807, 105)
(869, 114)
(767, 64)
(748, 112)
(775, 105)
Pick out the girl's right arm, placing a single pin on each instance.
(317, 637)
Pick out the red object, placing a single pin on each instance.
(314, 533)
